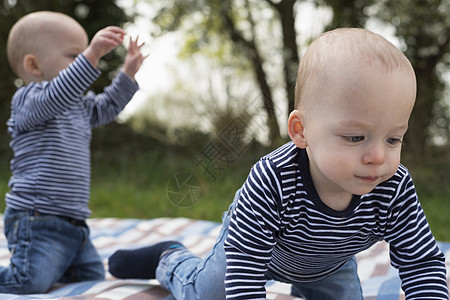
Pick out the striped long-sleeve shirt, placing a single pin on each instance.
(51, 125)
(281, 225)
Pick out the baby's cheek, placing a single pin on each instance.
(393, 164)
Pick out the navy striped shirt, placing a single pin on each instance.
(280, 225)
(51, 125)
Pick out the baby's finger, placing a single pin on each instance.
(137, 45)
(116, 38)
(115, 30)
(134, 42)
(140, 46)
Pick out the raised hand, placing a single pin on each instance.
(134, 58)
(103, 42)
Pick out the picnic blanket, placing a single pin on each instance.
(379, 280)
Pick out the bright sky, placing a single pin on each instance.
(153, 75)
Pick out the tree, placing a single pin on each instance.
(92, 15)
(286, 14)
(424, 29)
(347, 13)
(422, 26)
(226, 22)
(238, 22)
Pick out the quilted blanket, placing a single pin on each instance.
(379, 280)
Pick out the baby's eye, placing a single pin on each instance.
(354, 139)
(394, 141)
(72, 56)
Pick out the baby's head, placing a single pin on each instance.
(337, 52)
(43, 43)
(354, 96)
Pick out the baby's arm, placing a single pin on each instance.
(134, 58)
(413, 249)
(250, 240)
(103, 42)
(104, 107)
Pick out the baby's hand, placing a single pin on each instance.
(134, 58)
(103, 42)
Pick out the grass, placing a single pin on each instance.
(135, 179)
(141, 179)
(143, 186)
(432, 181)
(436, 209)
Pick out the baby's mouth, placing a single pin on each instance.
(369, 179)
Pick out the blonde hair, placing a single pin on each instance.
(26, 35)
(346, 46)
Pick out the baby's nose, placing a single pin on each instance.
(375, 154)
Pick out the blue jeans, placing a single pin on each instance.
(189, 277)
(343, 284)
(46, 249)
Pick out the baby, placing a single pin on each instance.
(334, 190)
(50, 125)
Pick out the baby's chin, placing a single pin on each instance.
(368, 184)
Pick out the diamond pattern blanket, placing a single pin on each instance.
(379, 280)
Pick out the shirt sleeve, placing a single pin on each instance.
(104, 107)
(413, 249)
(250, 238)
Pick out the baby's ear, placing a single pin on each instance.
(296, 129)
(31, 65)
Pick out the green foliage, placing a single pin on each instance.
(227, 32)
(432, 182)
(347, 13)
(423, 27)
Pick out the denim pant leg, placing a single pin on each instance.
(343, 284)
(189, 277)
(42, 247)
(87, 265)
